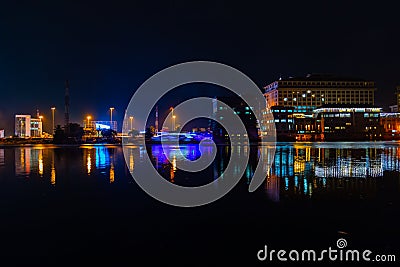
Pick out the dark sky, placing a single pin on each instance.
(107, 49)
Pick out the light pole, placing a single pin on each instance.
(172, 111)
(131, 118)
(40, 128)
(111, 121)
(111, 111)
(53, 109)
(88, 121)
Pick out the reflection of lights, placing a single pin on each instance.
(174, 163)
(53, 171)
(53, 176)
(131, 161)
(102, 157)
(41, 163)
(305, 186)
(89, 163)
(112, 173)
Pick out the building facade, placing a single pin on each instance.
(36, 127)
(391, 125)
(26, 126)
(23, 126)
(307, 93)
(349, 122)
(245, 114)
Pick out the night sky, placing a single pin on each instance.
(107, 49)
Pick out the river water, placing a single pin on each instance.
(80, 205)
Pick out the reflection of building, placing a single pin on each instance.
(23, 161)
(312, 170)
(2, 159)
(307, 93)
(26, 126)
(28, 160)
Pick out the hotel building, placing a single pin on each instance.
(305, 94)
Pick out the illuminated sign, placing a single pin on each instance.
(100, 126)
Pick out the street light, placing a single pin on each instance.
(111, 111)
(53, 109)
(40, 128)
(173, 117)
(111, 121)
(88, 121)
(172, 114)
(131, 118)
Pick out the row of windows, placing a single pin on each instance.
(325, 83)
(336, 115)
(337, 93)
(282, 120)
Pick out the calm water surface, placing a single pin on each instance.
(73, 204)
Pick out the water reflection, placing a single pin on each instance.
(2, 158)
(305, 170)
(309, 169)
(45, 161)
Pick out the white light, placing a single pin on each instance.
(285, 99)
(303, 95)
(308, 91)
(294, 99)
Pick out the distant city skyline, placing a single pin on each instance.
(107, 51)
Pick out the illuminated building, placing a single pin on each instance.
(26, 126)
(349, 122)
(1, 133)
(23, 126)
(284, 122)
(245, 114)
(307, 93)
(391, 125)
(398, 97)
(36, 127)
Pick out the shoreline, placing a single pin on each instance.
(49, 145)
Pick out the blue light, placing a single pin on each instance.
(100, 126)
